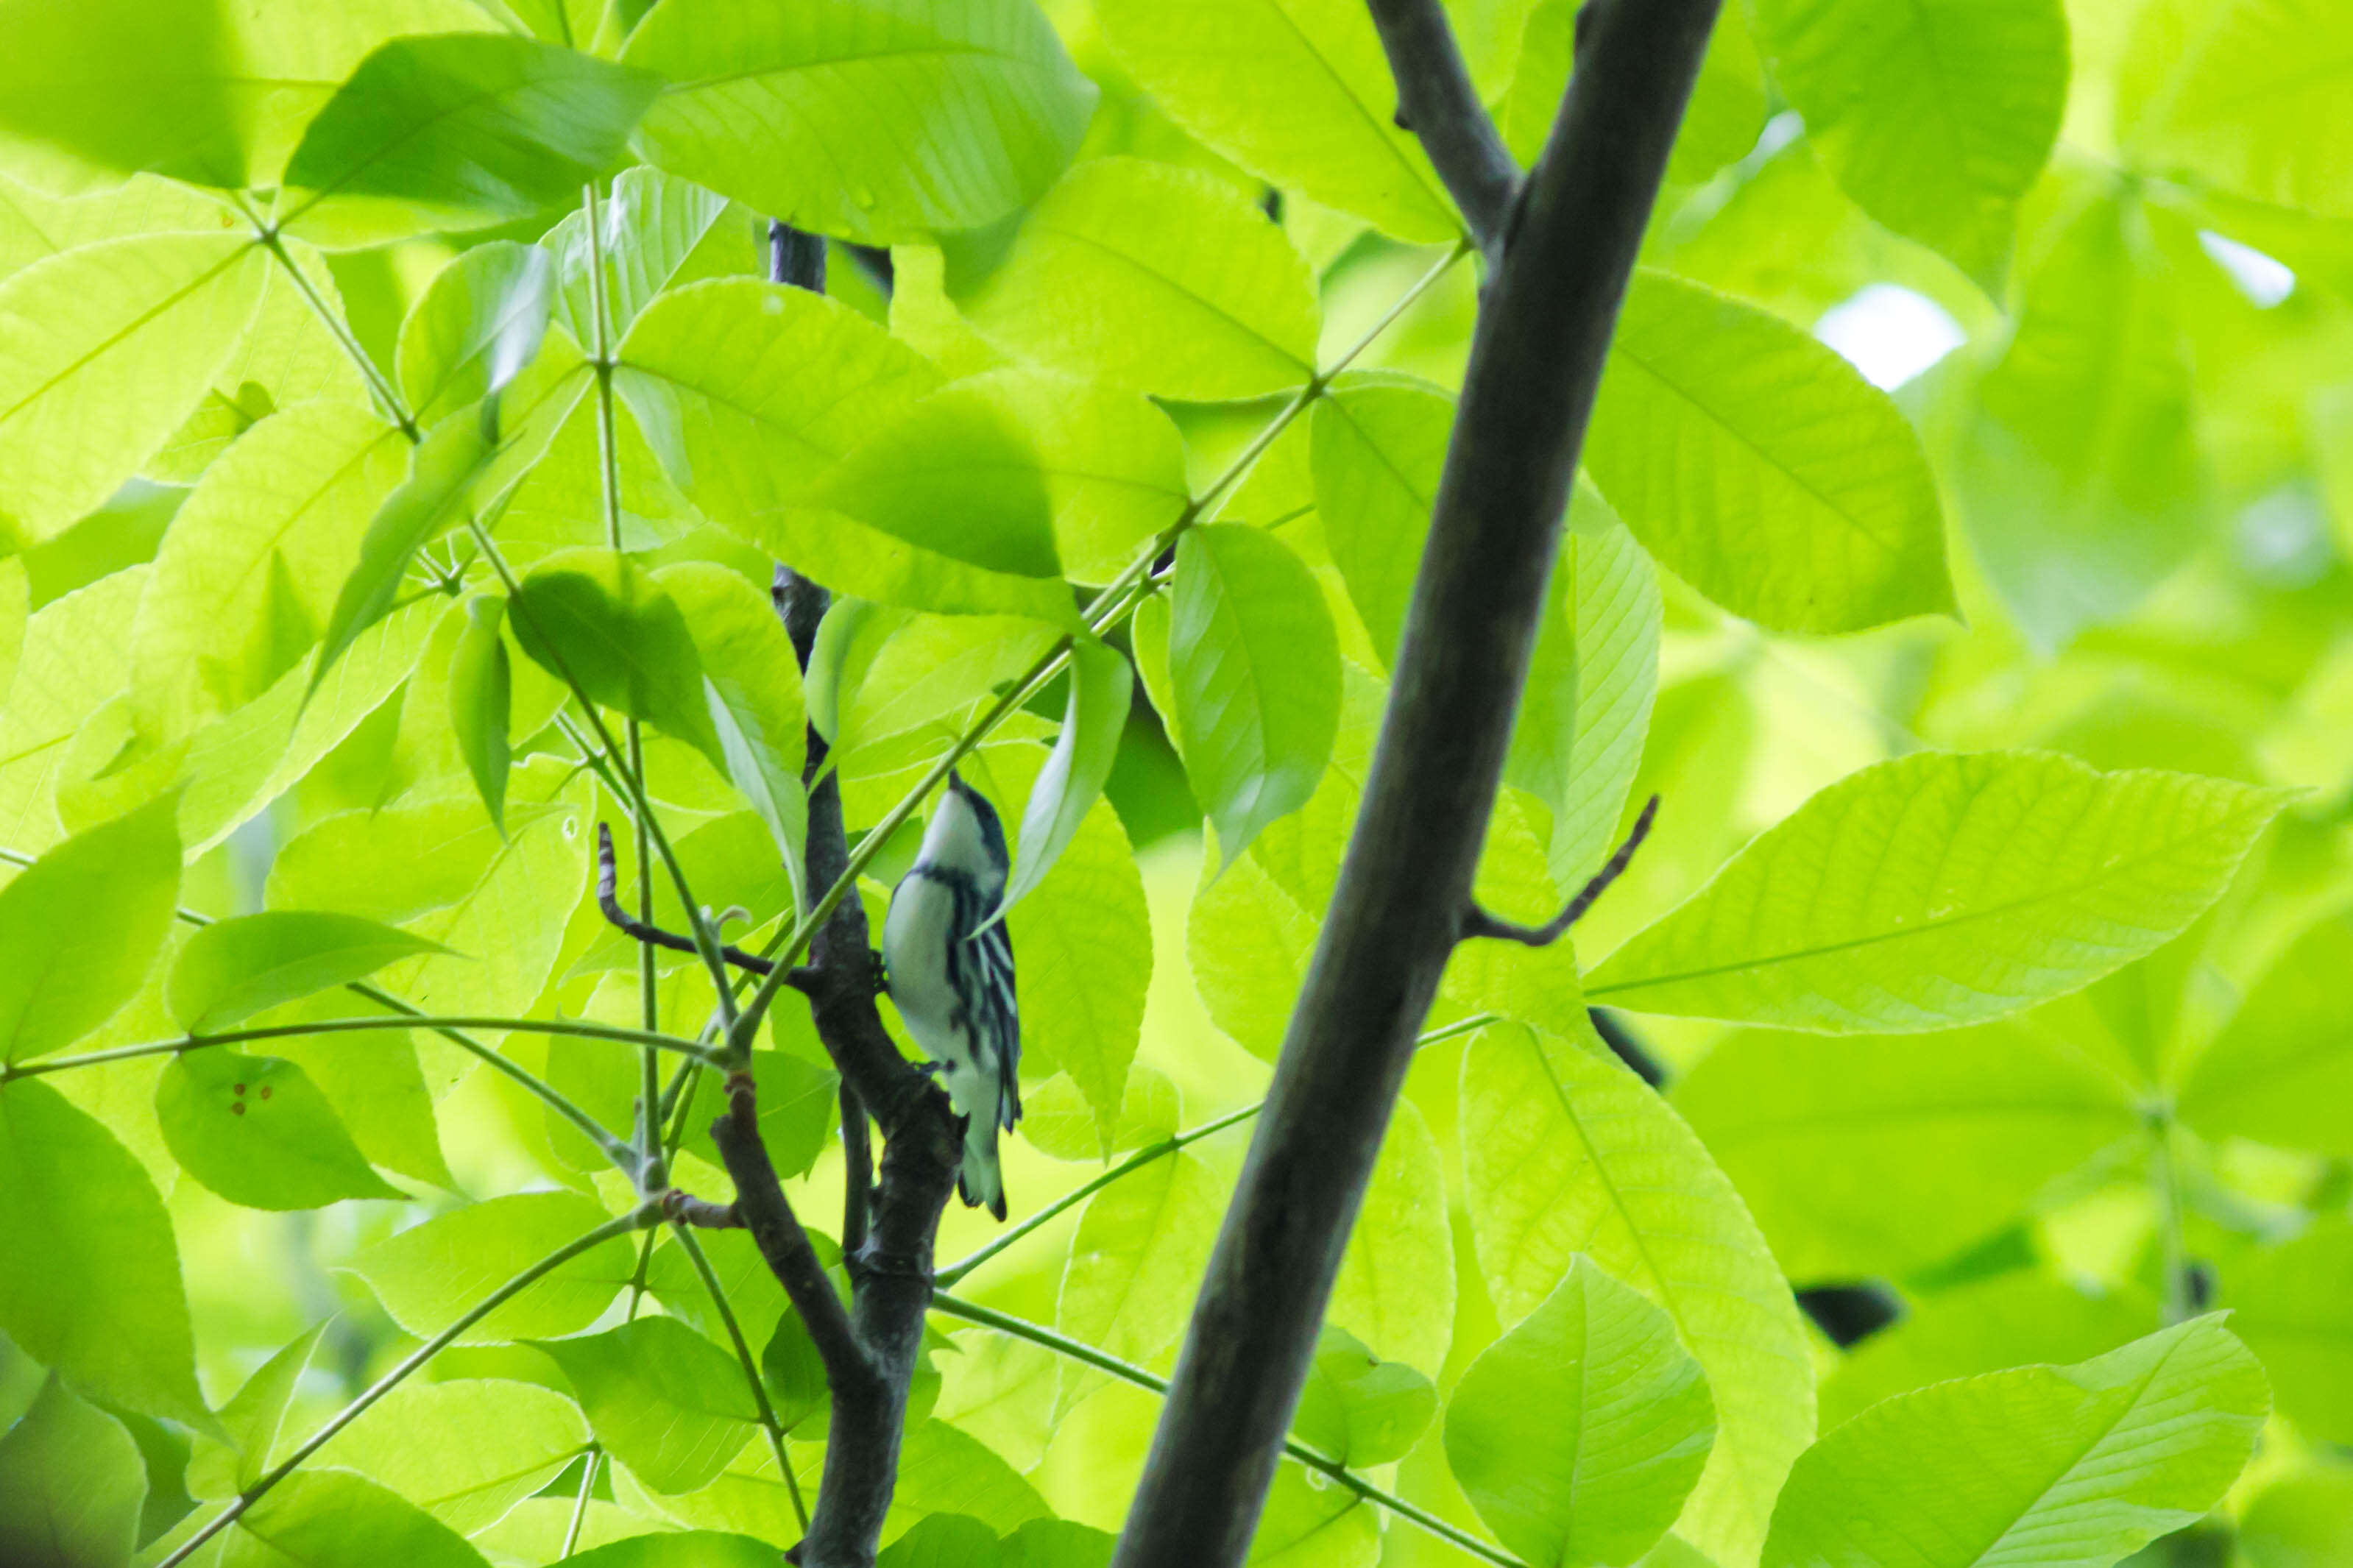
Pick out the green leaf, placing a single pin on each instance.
(663, 1400)
(943, 1540)
(1255, 668)
(113, 1319)
(103, 351)
(2304, 1521)
(254, 1424)
(1565, 1152)
(80, 928)
(1379, 446)
(1396, 1288)
(249, 569)
(793, 1370)
(679, 1548)
(2040, 1464)
(466, 1450)
(1601, 625)
(459, 132)
(656, 227)
(1937, 889)
(430, 501)
(2079, 473)
(896, 675)
(796, 1102)
(1057, 1544)
(1578, 1435)
(481, 702)
(1307, 1524)
(1936, 118)
(72, 1484)
(2275, 1072)
(1720, 123)
(2242, 95)
(121, 85)
(333, 1518)
(1112, 463)
(752, 693)
(1296, 91)
(1140, 1249)
(257, 1131)
(2289, 1303)
(1163, 279)
(231, 970)
(953, 476)
(1357, 1407)
(1762, 468)
(2008, 1320)
(1865, 1158)
(429, 1274)
(480, 323)
(875, 125)
(595, 619)
(1093, 720)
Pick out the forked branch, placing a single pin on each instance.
(1477, 922)
(1437, 102)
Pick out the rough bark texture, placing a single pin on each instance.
(1542, 334)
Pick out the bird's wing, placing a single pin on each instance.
(1004, 1020)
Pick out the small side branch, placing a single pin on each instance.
(700, 1214)
(1477, 922)
(607, 899)
(1437, 103)
(763, 1209)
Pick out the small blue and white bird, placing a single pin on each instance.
(955, 989)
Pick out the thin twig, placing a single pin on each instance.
(1477, 922)
(609, 902)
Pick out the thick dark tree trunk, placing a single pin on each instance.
(1560, 262)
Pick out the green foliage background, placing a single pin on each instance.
(396, 435)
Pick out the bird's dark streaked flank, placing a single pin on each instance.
(955, 988)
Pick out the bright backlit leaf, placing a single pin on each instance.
(481, 702)
(1578, 1435)
(1379, 445)
(334, 1519)
(752, 695)
(231, 970)
(466, 1450)
(1153, 278)
(80, 928)
(1936, 118)
(2289, 1303)
(1357, 1407)
(1140, 1244)
(1296, 91)
(878, 125)
(257, 1131)
(1567, 1152)
(2277, 1069)
(72, 1483)
(1255, 670)
(103, 351)
(1877, 1157)
(1762, 468)
(2078, 1464)
(594, 620)
(663, 1400)
(1093, 718)
(113, 1319)
(459, 132)
(1937, 889)
(480, 323)
(429, 1274)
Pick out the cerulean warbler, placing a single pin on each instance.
(955, 988)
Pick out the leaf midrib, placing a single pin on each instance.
(1924, 928)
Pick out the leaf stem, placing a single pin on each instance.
(751, 1366)
(377, 382)
(1146, 1156)
(1127, 1371)
(580, 1028)
(645, 1214)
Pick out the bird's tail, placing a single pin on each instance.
(980, 1182)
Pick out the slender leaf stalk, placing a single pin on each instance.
(579, 1027)
(751, 1366)
(643, 1216)
(1146, 1156)
(1127, 1371)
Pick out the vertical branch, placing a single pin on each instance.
(1561, 267)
